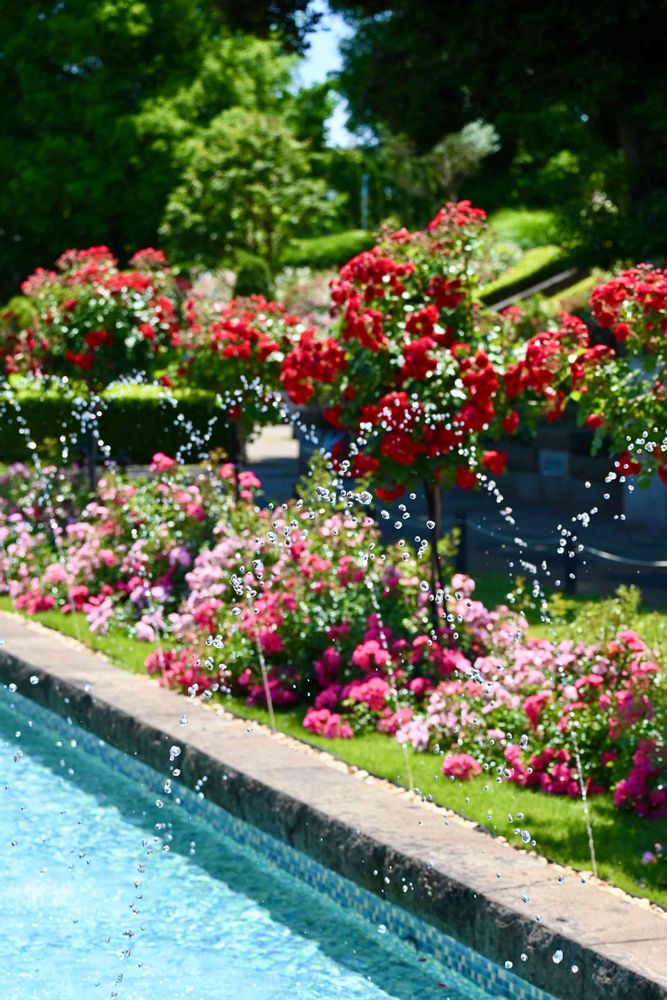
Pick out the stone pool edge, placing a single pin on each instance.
(362, 832)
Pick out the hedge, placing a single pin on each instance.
(526, 227)
(536, 265)
(321, 252)
(136, 422)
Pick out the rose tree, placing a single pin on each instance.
(93, 321)
(623, 397)
(420, 375)
(236, 348)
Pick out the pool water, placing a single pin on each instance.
(111, 887)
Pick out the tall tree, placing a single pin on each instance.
(246, 184)
(97, 95)
(426, 69)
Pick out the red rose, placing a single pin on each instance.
(594, 421)
(97, 338)
(84, 360)
(332, 415)
(621, 331)
(146, 331)
(495, 461)
(626, 465)
(466, 479)
(511, 422)
(399, 446)
(363, 465)
(388, 495)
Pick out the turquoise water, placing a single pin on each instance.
(106, 893)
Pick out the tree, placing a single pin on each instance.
(417, 377)
(246, 184)
(426, 180)
(454, 61)
(290, 20)
(98, 94)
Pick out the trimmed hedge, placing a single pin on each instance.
(253, 277)
(136, 422)
(321, 252)
(536, 265)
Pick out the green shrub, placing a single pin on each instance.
(320, 252)
(136, 422)
(20, 310)
(253, 277)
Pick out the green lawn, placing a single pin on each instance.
(556, 824)
(526, 227)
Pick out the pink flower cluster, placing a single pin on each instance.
(290, 599)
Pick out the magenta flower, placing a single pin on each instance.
(461, 766)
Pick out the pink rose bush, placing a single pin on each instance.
(305, 598)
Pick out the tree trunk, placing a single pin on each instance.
(434, 513)
(91, 455)
(237, 447)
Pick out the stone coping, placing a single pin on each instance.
(466, 883)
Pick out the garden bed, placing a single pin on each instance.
(556, 823)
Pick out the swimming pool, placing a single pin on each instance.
(117, 882)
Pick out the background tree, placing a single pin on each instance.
(423, 182)
(99, 95)
(450, 62)
(246, 184)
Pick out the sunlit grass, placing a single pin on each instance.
(555, 823)
(527, 227)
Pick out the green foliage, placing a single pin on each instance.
(104, 95)
(136, 422)
(311, 107)
(575, 298)
(17, 314)
(572, 127)
(424, 182)
(253, 277)
(245, 183)
(320, 252)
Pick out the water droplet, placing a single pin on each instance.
(430, 525)
(508, 964)
(557, 957)
(183, 720)
(382, 929)
(34, 679)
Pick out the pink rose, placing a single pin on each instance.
(461, 766)
(161, 462)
